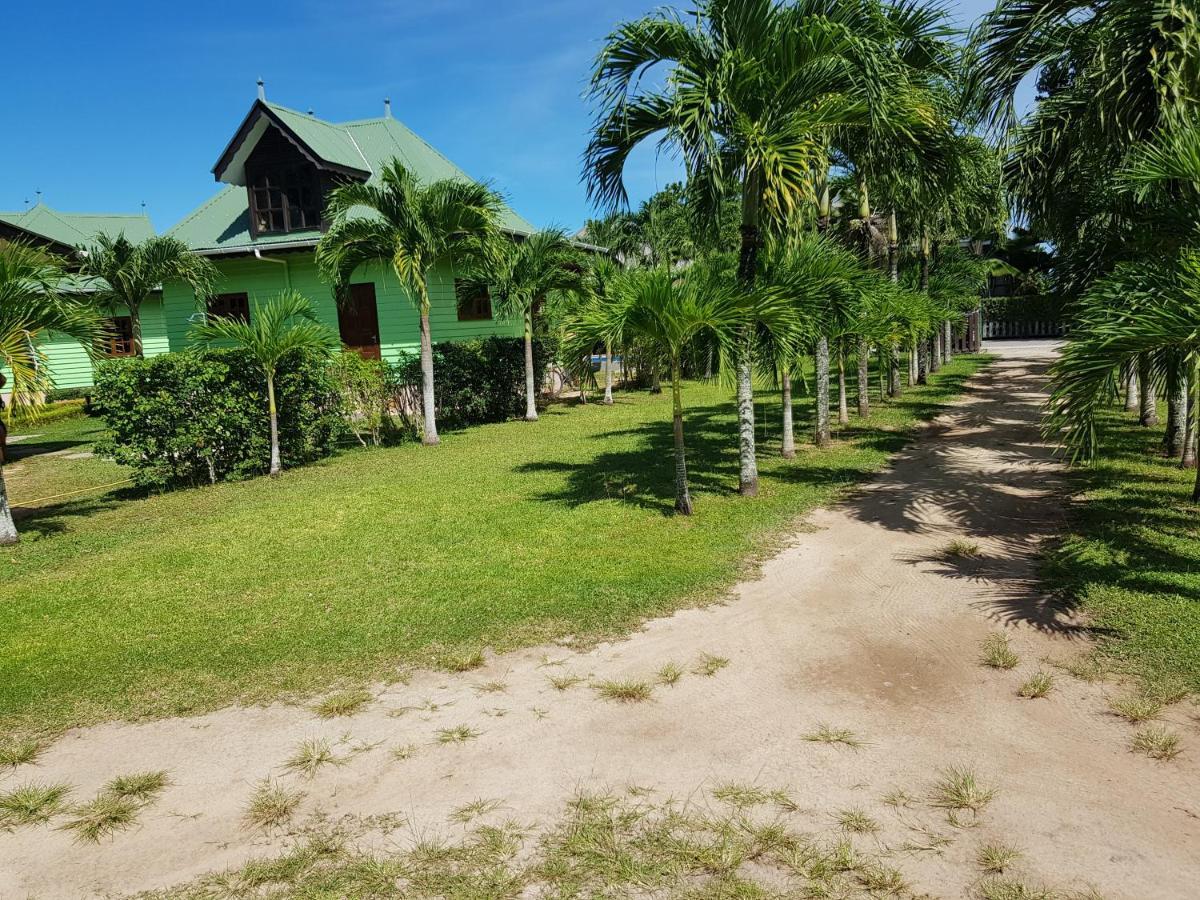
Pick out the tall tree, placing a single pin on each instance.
(284, 324)
(750, 88)
(123, 274)
(411, 227)
(32, 303)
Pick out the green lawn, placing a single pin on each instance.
(120, 606)
(1131, 558)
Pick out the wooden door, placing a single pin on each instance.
(358, 321)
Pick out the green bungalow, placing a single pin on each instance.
(261, 229)
(60, 233)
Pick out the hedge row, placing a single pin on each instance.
(1033, 308)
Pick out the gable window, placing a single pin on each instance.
(285, 199)
(119, 340)
(229, 306)
(474, 305)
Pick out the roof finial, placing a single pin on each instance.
(262, 90)
(310, 111)
(387, 107)
(38, 202)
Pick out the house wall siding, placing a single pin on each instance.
(399, 326)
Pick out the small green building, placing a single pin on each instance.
(261, 229)
(61, 233)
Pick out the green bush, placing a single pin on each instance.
(369, 390)
(75, 393)
(474, 381)
(50, 412)
(196, 417)
(1023, 309)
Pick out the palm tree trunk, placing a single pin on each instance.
(608, 397)
(747, 271)
(708, 369)
(1195, 385)
(683, 499)
(893, 247)
(922, 361)
(135, 328)
(1189, 417)
(429, 435)
(894, 371)
(1148, 402)
(843, 409)
(949, 349)
(864, 378)
(822, 360)
(8, 528)
(914, 362)
(935, 350)
(1131, 388)
(789, 430)
(531, 413)
(655, 379)
(1177, 405)
(276, 465)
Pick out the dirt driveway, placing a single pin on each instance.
(863, 623)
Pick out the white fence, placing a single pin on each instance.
(1001, 329)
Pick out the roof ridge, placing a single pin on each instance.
(434, 150)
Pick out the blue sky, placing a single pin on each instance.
(109, 105)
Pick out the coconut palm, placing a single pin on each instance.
(32, 303)
(284, 324)
(411, 227)
(749, 89)
(667, 312)
(525, 275)
(123, 274)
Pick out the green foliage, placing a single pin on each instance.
(368, 388)
(1044, 308)
(477, 381)
(58, 394)
(201, 417)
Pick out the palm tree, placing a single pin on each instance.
(411, 227)
(124, 274)
(526, 274)
(749, 89)
(284, 324)
(32, 302)
(667, 312)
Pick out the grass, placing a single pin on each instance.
(1157, 742)
(19, 751)
(856, 821)
(311, 756)
(958, 789)
(343, 703)
(626, 691)
(141, 786)
(32, 804)
(1037, 685)
(669, 674)
(277, 588)
(463, 662)
(843, 737)
(961, 549)
(101, 817)
(997, 653)
(1130, 559)
(994, 859)
(271, 805)
(469, 812)
(1136, 708)
(459, 734)
(565, 681)
(709, 665)
(405, 751)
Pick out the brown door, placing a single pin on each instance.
(358, 321)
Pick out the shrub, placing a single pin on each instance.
(368, 388)
(75, 393)
(474, 381)
(196, 417)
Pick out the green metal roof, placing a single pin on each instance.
(73, 229)
(222, 225)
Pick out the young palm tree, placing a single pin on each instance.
(750, 87)
(32, 303)
(526, 274)
(284, 324)
(124, 274)
(411, 227)
(667, 312)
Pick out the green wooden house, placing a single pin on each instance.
(261, 229)
(61, 233)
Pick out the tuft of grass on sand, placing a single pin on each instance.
(856, 821)
(995, 859)
(33, 803)
(405, 751)
(565, 681)
(997, 653)
(490, 687)
(842, 737)
(899, 798)
(959, 789)
(669, 674)
(1009, 889)
(343, 703)
(1088, 667)
(463, 662)
(271, 805)
(536, 495)
(19, 751)
(459, 734)
(1037, 685)
(469, 812)
(1157, 742)
(101, 817)
(311, 756)
(140, 786)
(626, 691)
(961, 549)
(709, 665)
(1137, 708)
